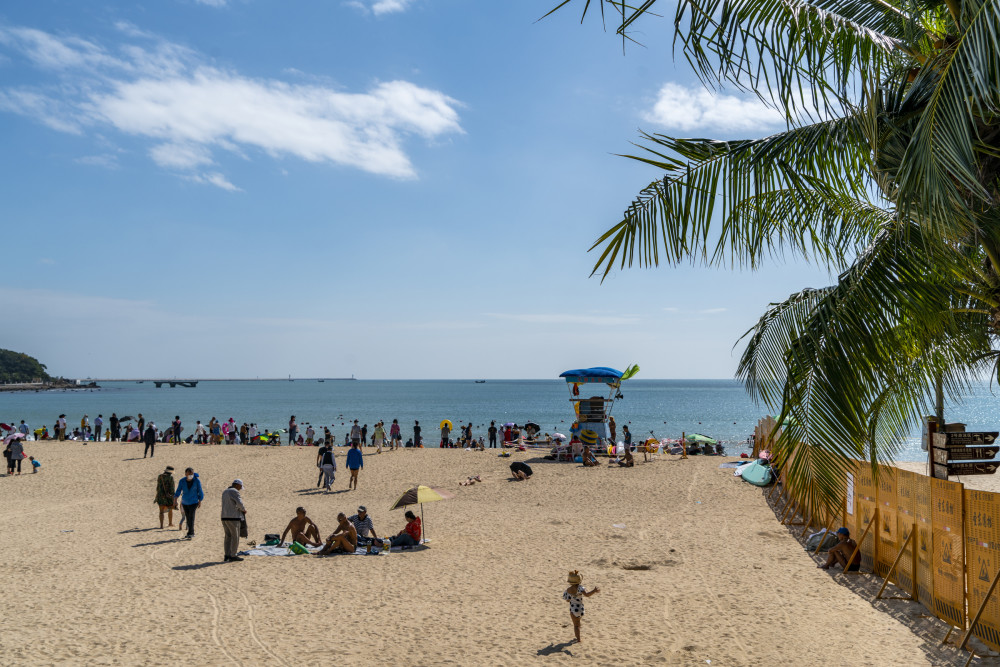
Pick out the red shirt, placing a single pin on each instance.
(413, 529)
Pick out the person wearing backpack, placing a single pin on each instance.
(191, 495)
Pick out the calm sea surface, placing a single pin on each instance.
(717, 408)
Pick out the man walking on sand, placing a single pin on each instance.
(98, 425)
(61, 428)
(355, 433)
(416, 434)
(355, 462)
(233, 512)
(149, 438)
(328, 464)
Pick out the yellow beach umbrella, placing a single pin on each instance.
(418, 495)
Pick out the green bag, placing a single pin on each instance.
(298, 549)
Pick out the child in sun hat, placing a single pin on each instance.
(574, 595)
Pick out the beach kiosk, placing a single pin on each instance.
(593, 392)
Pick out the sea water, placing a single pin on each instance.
(720, 409)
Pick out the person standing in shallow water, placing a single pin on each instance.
(293, 430)
(416, 434)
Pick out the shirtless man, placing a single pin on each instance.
(303, 530)
(843, 551)
(344, 539)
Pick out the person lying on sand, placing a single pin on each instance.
(343, 540)
(303, 530)
(469, 481)
(520, 470)
(841, 552)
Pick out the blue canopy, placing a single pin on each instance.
(597, 374)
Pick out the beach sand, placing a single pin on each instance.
(692, 564)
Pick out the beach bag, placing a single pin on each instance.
(271, 540)
(821, 541)
(298, 549)
(244, 532)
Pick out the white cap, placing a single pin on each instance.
(238, 481)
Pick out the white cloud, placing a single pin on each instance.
(380, 7)
(164, 92)
(389, 6)
(566, 318)
(213, 3)
(681, 108)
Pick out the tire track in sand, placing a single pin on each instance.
(253, 628)
(216, 608)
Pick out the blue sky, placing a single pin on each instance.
(384, 188)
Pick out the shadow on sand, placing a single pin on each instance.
(153, 544)
(198, 566)
(138, 530)
(920, 621)
(552, 649)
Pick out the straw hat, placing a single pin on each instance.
(574, 577)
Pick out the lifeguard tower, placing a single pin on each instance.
(592, 411)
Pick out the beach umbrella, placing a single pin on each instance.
(558, 436)
(418, 495)
(447, 422)
(698, 438)
(532, 425)
(12, 436)
(510, 424)
(126, 418)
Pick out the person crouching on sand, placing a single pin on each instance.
(574, 595)
(842, 552)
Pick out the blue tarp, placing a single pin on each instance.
(597, 374)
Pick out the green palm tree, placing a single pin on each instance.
(887, 174)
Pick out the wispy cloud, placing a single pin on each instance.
(164, 92)
(566, 318)
(682, 108)
(213, 3)
(106, 160)
(216, 179)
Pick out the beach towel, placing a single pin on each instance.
(360, 551)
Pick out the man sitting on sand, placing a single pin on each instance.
(589, 459)
(343, 540)
(627, 461)
(303, 530)
(842, 552)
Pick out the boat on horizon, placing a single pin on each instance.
(480, 381)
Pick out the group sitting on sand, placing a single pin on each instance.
(351, 532)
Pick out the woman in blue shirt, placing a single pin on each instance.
(191, 495)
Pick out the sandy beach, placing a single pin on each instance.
(692, 564)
